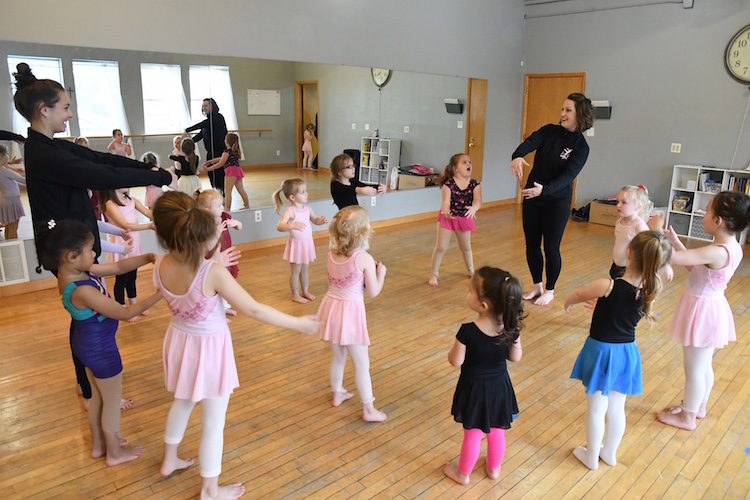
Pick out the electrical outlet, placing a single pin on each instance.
(354, 126)
(460, 124)
(278, 152)
(258, 215)
(373, 201)
(406, 129)
(676, 147)
(367, 126)
(590, 132)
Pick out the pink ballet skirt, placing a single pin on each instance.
(235, 172)
(462, 224)
(198, 354)
(300, 247)
(703, 317)
(152, 193)
(342, 311)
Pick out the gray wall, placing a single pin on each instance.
(661, 68)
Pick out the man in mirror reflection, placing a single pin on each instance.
(213, 131)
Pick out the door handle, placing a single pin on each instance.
(471, 142)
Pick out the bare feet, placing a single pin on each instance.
(677, 416)
(79, 391)
(86, 404)
(340, 397)
(451, 470)
(124, 455)
(582, 454)
(145, 313)
(125, 404)
(433, 281)
(299, 299)
(308, 295)
(230, 312)
(535, 292)
(545, 298)
(175, 464)
(677, 409)
(370, 414)
(230, 492)
(492, 474)
(134, 319)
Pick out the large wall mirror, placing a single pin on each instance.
(348, 104)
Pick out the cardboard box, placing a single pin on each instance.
(602, 213)
(406, 181)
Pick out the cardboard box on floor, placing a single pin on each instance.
(406, 181)
(602, 213)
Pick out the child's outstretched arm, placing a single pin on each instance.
(457, 354)
(123, 266)
(474, 208)
(88, 296)
(593, 290)
(143, 209)
(220, 281)
(318, 221)
(713, 256)
(216, 162)
(374, 273)
(115, 217)
(287, 222)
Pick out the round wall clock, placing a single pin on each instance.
(737, 58)
(381, 76)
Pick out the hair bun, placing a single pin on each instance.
(23, 75)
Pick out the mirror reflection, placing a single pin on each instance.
(268, 102)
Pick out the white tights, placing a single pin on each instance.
(361, 361)
(213, 414)
(613, 408)
(699, 376)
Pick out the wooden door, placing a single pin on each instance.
(543, 97)
(475, 117)
(307, 105)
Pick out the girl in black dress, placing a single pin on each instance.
(484, 401)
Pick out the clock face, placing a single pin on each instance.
(738, 56)
(381, 76)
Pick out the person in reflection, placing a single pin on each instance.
(344, 187)
(213, 131)
(561, 152)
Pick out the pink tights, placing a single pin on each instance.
(472, 444)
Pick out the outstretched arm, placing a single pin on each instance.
(593, 290)
(123, 266)
(88, 296)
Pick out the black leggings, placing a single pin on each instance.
(216, 178)
(545, 222)
(81, 377)
(125, 282)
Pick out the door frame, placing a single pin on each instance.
(480, 121)
(299, 112)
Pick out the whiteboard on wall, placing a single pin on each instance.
(263, 102)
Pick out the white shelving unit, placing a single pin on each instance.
(692, 188)
(377, 157)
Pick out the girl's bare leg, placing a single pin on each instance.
(111, 394)
(464, 244)
(243, 194)
(441, 245)
(98, 447)
(228, 188)
(294, 284)
(305, 282)
(11, 231)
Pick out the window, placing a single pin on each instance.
(212, 81)
(100, 107)
(43, 68)
(165, 109)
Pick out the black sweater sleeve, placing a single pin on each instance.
(10, 136)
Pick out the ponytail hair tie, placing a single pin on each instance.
(642, 186)
(507, 278)
(51, 224)
(189, 209)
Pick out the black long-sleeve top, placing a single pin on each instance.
(185, 168)
(213, 131)
(344, 196)
(59, 172)
(560, 156)
(10, 136)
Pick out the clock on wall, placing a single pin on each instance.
(381, 76)
(737, 58)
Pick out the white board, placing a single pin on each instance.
(263, 102)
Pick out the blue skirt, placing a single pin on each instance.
(605, 367)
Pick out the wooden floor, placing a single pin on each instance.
(284, 440)
(260, 183)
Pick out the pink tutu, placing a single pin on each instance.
(152, 193)
(344, 321)
(299, 251)
(703, 322)
(462, 224)
(235, 172)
